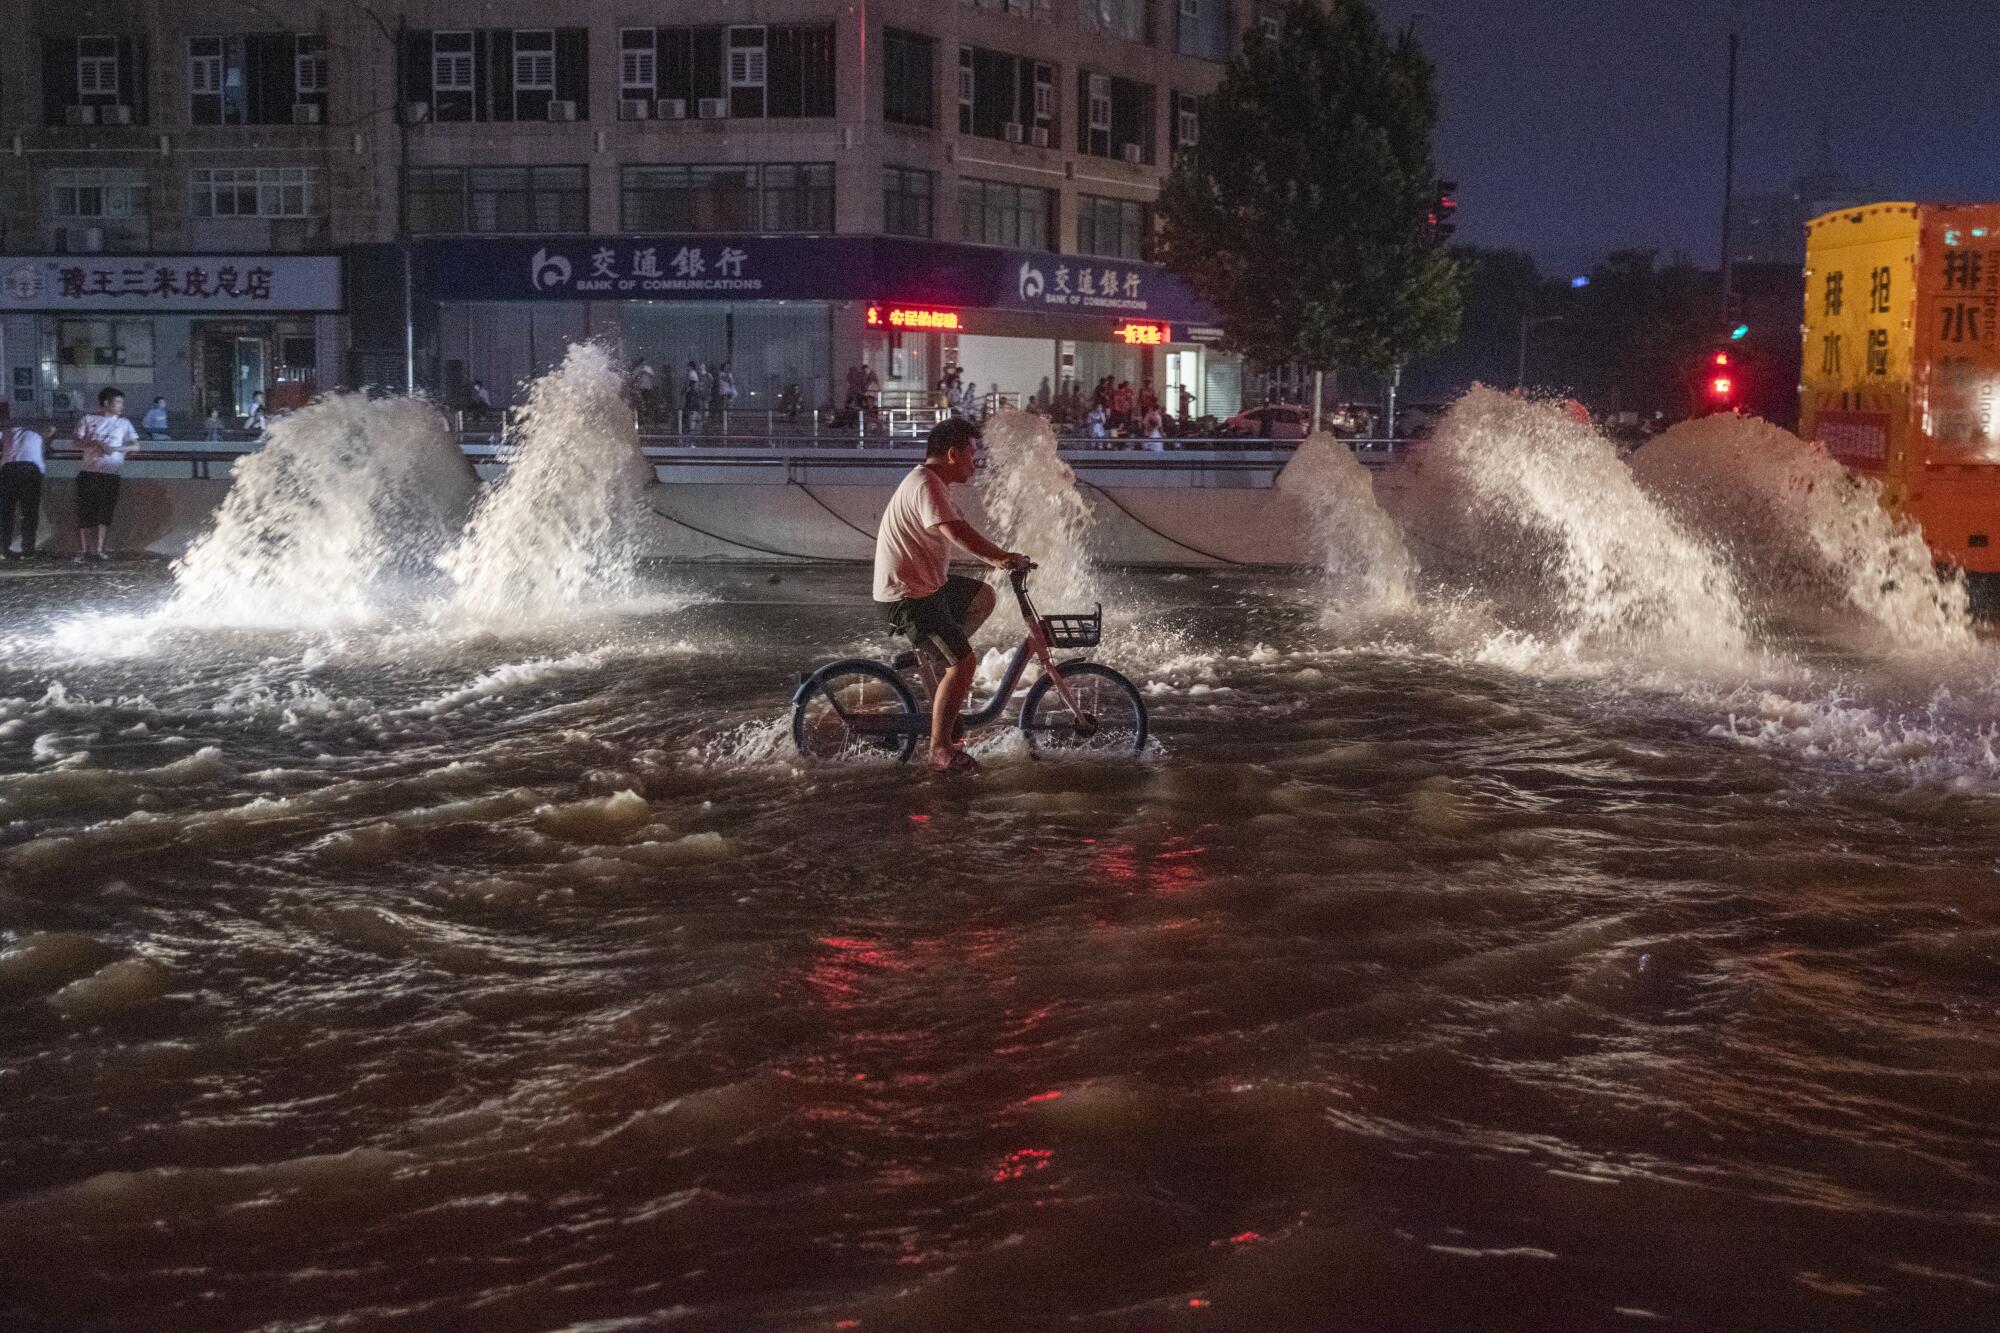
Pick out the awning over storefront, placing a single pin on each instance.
(708, 267)
(229, 285)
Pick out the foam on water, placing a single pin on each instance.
(350, 498)
(1522, 503)
(561, 529)
(1031, 497)
(1364, 560)
(1798, 526)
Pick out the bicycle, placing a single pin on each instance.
(858, 706)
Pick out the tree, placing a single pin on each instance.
(1301, 214)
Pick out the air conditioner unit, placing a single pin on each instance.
(1040, 136)
(634, 108)
(305, 113)
(114, 115)
(1011, 131)
(714, 108)
(62, 401)
(1129, 151)
(79, 115)
(671, 108)
(416, 113)
(562, 109)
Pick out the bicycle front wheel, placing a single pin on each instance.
(1113, 721)
(854, 710)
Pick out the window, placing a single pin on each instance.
(497, 74)
(1187, 120)
(535, 61)
(309, 65)
(909, 79)
(435, 199)
(97, 67)
(798, 196)
(722, 197)
(907, 194)
(91, 351)
(1118, 228)
(532, 199)
(1117, 120)
(1124, 18)
(498, 199)
(781, 71)
(255, 78)
(451, 62)
(1001, 96)
(254, 192)
(93, 193)
(1203, 29)
(638, 63)
(994, 213)
(96, 80)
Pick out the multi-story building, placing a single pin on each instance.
(207, 201)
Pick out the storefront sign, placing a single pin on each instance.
(902, 317)
(157, 283)
(893, 271)
(1143, 335)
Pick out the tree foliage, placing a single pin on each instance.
(1301, 214)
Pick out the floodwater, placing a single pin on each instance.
(1430, 975)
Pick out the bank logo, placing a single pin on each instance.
(24, 282)
(547, 270)
(1032, 283)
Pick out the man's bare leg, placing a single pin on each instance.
(955, 686)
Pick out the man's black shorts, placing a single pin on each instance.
(938, 621)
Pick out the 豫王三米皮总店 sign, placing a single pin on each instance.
(169, 283)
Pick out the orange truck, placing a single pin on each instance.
(1902, 365)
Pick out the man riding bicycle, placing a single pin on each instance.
(936, 609)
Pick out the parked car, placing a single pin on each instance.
(1273, 421)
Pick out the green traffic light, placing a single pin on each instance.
(1740, 332)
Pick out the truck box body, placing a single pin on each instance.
(1902, 363)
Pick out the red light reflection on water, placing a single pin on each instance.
(1174, 867)
(1021, 1162)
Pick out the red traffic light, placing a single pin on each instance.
(1721, 388)
(1722, 358)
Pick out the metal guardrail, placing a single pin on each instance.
(210, 460)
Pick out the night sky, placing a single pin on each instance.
(1575, 127)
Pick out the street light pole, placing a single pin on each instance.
(1728, 182)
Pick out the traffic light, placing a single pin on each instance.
(1721, 381)
(1443, 216)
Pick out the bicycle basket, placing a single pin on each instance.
(1075, 630)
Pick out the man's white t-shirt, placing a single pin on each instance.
(18, 444)
(104, 439)
(912, 558)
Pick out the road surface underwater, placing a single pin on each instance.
(413, 975)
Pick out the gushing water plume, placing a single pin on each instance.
(1803, 528)
(349, 497)
(561, 529)
(1535, 508)
(1030, 495)
(1365, 562)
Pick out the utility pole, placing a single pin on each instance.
(1728, 182)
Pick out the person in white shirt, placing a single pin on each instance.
(21, 468)
(936, 609)
(257, 420)
(104, 437)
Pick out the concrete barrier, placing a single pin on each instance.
(161, 510)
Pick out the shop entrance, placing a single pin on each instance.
(234, 368)
(1183, 371)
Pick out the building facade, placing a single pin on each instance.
(795, 187)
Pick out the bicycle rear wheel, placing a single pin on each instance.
(854, 710)
(1114, 719)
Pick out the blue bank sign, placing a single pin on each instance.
(801, 268)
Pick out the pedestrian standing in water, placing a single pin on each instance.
(104, 437)
(155, 420)
(21, 468)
